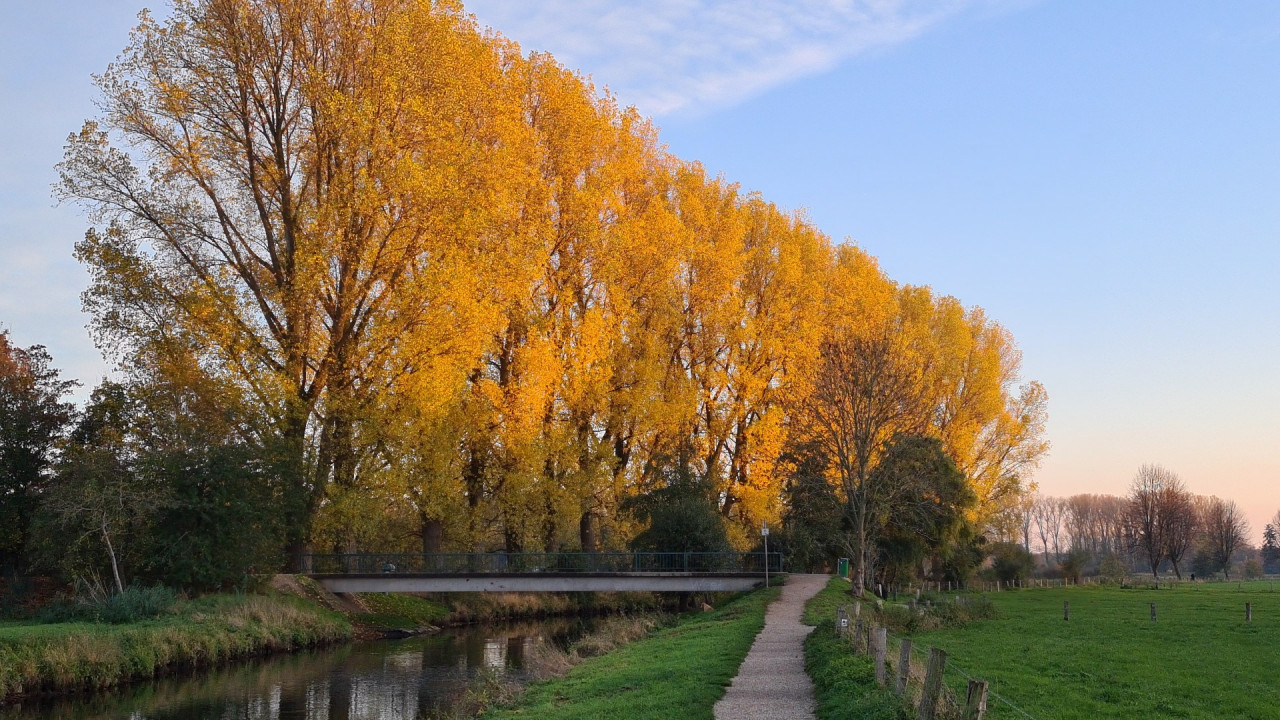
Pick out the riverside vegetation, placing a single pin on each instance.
(680, 670)
(114, 643)
(844, 682)
(79, 644)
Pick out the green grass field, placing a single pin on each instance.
(1198, 660)
(679, 672)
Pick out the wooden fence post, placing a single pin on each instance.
(879, 647)
(1153, 612)
(1248, 612)
(975, 706)
(857, 635)
(904, 665)
(932, 684)
(1066, 610)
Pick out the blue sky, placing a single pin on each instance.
(1103, 178)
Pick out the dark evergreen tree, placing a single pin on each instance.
(33, 416)
(1270, 550)
(681, 514)
(926, 522)
(812, 521)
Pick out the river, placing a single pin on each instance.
(416, 678)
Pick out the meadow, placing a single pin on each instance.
(1198, 659)
(679, 671)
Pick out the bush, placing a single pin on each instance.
(133, 605)
(1011, 561)
(935, 615)
(1112, 570)
(1252, 569)
(1073, 566)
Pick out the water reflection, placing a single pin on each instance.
(386, 680)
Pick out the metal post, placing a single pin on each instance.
(764, 531)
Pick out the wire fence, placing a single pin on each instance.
(955, 688)
(932, 684)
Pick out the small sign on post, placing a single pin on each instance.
(764, 533)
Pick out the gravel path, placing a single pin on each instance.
(771, 684)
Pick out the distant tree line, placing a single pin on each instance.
(1159, 526)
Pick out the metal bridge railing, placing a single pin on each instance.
(518, 563)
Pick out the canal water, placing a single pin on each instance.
(420, 678)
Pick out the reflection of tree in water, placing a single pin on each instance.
(389, 680)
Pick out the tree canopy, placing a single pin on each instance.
(474, 303)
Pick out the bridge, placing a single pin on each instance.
(541, 572)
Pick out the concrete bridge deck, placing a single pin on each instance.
(540, 582)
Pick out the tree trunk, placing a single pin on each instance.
(587, 532)
(115, 568)
(432, 536)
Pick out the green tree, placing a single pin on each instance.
(1270, 549)
(95, 512)
(1073, 565)
(162, 481)
(33, 415)
(812, 519)
(927, 519)
(1011, 561)
(681, 514)
(221, 523)
(1112, 569)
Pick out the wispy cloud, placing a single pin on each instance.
(670, 56)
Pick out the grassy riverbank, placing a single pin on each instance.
(680, 671)
(844, 684)
(414, 611)
(199, 633)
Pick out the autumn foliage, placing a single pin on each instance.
(478, 300)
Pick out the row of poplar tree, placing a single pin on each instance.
(401, 286)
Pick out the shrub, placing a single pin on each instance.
(1073, 566)
(1011, 561)
(133, 605)
(1112, 570)
(937, 614)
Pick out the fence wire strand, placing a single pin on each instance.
(924, 655)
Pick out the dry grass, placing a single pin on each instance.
(212, 630)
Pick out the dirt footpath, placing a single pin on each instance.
(771, 684)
